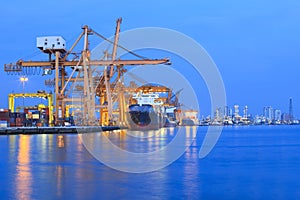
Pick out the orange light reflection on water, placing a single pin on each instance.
(23, 175)
(60, 140)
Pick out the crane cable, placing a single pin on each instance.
(32, 55)
(120, 46)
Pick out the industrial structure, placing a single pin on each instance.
(47, 110)
(81, 83)
(291, 115)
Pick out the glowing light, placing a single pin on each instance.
(23, 79)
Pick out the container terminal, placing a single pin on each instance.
(88, 92)
(91, 93)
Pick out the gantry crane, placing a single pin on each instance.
(83, 69)
(49, 97)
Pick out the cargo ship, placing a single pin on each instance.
(148, 113)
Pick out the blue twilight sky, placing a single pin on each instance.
(255, 44)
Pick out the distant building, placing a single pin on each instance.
(291, 115)
(226, 111)
(230, 112)
(265, 111)
(218, 114)
(285, 117)
(236, 110)
(277, 115)
(246, 112)
(268, 113)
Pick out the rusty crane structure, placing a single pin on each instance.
(70, 68)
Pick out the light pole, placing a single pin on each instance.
(23, 79)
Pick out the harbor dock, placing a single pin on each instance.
(55, 130)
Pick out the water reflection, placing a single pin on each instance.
(128, 150)
(191, 132)
(13, 147)
(59, 167)
(60, 141)
(191, 170)
(55, 164)
(59, 180)
(24, 173)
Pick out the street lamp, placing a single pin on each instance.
(23, 79)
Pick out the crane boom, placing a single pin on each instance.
(18, 66)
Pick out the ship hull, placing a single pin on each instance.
(144, 119)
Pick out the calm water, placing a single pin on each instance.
(247, 163)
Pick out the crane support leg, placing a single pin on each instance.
(57, 101)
